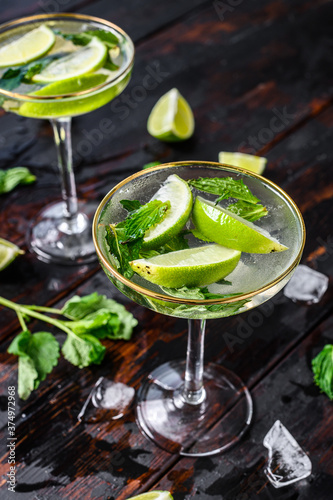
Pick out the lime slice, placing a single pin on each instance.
(28, 47)
(8, 253)
(191, 267)
(177, 192)
(153, 495)
(171, 119)
(228, 229)
(69, 107)
(85, 60)
(253, 163)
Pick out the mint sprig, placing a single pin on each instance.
(125, 239)
(322, 367)
(88, 320)
(224, 187)
(14, 176)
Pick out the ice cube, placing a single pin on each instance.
(115, 397)
(306, 285)
(287, 462)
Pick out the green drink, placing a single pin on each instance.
(57, 67)
(185, 407)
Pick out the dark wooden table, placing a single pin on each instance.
(258, 76)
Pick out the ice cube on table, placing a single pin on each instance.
(306, 285)
(287, 462)
(115, 397)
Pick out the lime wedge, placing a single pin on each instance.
(228, 229)
(153, 495)
(191, 267)
(8, 253)
(85, 60)
(63, 107)
(171, 119)
(177, 192)
(28, 47)
(253, 163)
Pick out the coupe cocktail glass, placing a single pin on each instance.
(184, 406)
(61, 232)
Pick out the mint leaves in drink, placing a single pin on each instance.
(125, 239)
(12, 177)
(88, 320)
(322, 367)
(247, 206)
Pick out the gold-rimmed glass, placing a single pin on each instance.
(186, 407)
(61, 232)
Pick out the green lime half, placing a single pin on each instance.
(171, 119)
(256, 164)
(8, 253)
(153, 495)
(28, 47)
(228, 229)
(84, 60)
(177, 191)
(191, 267)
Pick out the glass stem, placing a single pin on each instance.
(194, 392)
(62, 136)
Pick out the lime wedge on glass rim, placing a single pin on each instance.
(256, 164)
(8, 253)
(177, 192)
(226, 228)
(84, 60)
(171, 119)
(153, 495)
(28, 47)
(191, 267)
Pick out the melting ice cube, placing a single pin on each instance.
(287, 462)
(113, 396)
(306, 285)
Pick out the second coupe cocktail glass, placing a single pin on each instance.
(62, 231)
(184, 406)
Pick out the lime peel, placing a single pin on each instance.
(27, 48)
(177, 192)
(85, 60)
(153, 495)
(8, 253)
(228, 229)
(171, 119)
(191, 267)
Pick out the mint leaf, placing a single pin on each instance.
(12, 177)
(13, 77)
(225, 187)
(322, 367)
(151, 164)
(175, 243)
(108, 38)
(38, 354)
(248, 211)
(125, 238)
(102, 324)
(95, 308)
(202, 293)
(82, 350)
(143, 218)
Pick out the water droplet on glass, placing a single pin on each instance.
(287, 462)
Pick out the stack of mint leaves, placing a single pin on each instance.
(88, 320)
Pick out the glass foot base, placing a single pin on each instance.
(56, 239)
(205, 429)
